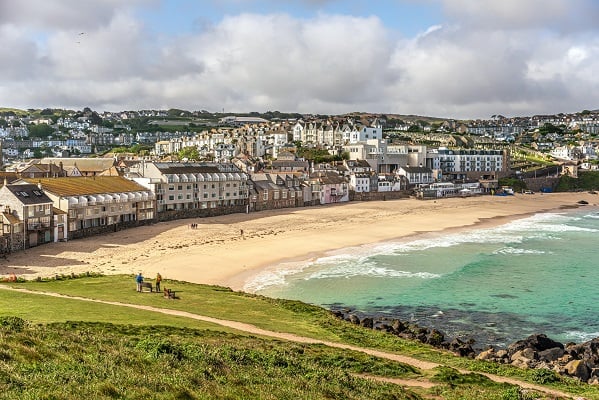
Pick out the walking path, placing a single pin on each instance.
(241, 326)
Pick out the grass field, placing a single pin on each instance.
(141, 339)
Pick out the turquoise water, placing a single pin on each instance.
(496, 285)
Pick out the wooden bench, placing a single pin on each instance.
(147, 285)
(169, 294)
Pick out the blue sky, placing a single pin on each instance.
(462, 59)
(408, 18)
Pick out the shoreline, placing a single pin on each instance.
(215, 253)
(240, 281)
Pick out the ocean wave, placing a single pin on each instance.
(513, 250)
(580, 336)
(274, 276)
(369, 270)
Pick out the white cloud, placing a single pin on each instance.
(500, 58)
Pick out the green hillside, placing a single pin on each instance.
(96, 337)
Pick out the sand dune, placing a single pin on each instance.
(216, 253)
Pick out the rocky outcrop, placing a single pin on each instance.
(580, 361)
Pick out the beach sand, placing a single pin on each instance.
(216, 252)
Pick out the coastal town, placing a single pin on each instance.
(70, 174)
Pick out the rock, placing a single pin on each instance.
(487, 355)
(354, 319)
(538, 342)
(551, 354)
(502, 354)
(435, 338)
(367, 323)
(578, 369)
(524, 358)
(398, 326)
(461, 348)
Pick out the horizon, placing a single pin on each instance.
(454, 59)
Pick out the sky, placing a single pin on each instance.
(461, 59)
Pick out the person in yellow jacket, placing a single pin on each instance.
(158, 280)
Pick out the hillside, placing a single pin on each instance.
(97, 337)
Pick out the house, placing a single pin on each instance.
(192, 186)
(41, 170)
(86, 166)
(98, 204)
(28, 207)
(417, 175)
(331, 187)
(274, 191)
(362, 177)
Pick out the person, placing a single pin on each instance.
(139, 279)
(241, 232)
(158, 280)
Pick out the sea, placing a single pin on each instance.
(495, 285)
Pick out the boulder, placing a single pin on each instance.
(354, 319)
(551, 354)
(398, 326)
(538, 342)
(367, 323)
(435, 338)
(487, 355)
(524, 358)
(578, 369)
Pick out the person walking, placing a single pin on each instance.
(139, 279)
(158, 280)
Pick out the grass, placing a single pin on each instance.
(277, 315)
(104, 361)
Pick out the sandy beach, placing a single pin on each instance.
(216, 252)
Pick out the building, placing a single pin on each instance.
(97, 204)
(273, 191)
(192, 186)
(26, 207)
(417, 175)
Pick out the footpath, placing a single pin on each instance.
(252, 329)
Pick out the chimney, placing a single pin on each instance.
(39, 185)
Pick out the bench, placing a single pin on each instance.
(169, 294)
(147, 285)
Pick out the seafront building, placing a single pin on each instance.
(188, 187)
(94, 205)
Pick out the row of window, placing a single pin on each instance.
(195, 186)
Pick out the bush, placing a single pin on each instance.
(543, 376)
(12, 324)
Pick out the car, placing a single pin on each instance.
(529, 192)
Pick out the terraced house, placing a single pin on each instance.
(26, 218)
(99, 204)
(183, 188)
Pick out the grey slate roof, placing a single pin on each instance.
(29, 194)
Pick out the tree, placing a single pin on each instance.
(40, 130)
(414, 128)
(190, 153)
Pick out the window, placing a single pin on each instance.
(180, 187)
(265, 195)
(179, 197)
(171, 197)
(171, 187)
(205, 195)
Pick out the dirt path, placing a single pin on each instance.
(252, 329)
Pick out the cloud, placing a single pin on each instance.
(565, 15)
(501, 58)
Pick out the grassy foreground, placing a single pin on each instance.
(57, 348)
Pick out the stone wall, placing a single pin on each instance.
(378, 196)
(99, 230)
(536, 184)
(198, 213)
